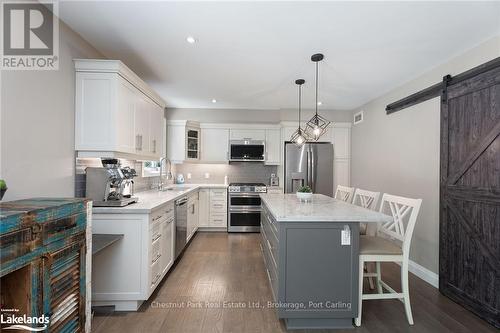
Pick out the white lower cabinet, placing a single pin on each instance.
(204, 207)
(192, 216)
(213, 208)
(127, 273)
(167, 244)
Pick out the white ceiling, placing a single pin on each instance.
(248, 54)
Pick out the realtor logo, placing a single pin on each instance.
(30, 35)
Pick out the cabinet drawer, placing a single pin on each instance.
(62, 228)
(155, 231)
(271, 269)
(18, 243)
(218, 194)
(156, 250)
(218, 220)
(155, 274)
(162, 214)
(268, 218)
(218, 207)
(168, 211)
(270, 248)
(270, 228)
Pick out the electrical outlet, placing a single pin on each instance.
(207, 175)
(189, 175)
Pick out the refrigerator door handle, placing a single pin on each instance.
(309, 170)
(314, 167)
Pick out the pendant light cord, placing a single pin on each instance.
(300, 101)
(317, 74)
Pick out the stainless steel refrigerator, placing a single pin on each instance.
(312, 165)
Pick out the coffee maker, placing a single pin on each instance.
(110, 185)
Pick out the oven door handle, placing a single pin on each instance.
(245, 210)
(234, 195)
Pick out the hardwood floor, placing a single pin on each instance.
(219, 268)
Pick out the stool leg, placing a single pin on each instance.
(357, 321)
(406, 292)
(379, 278)
(369, 269)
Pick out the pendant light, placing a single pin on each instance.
(299, 136)
(317, 125)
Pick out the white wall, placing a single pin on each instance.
(251, 116)
(37, 155)
(399, 153)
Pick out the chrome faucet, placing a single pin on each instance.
(169, 172)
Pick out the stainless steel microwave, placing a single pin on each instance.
(247, 150)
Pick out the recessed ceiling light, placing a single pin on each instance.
(214, 100)
(320, 103)
(190, 40)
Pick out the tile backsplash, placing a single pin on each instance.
(140, 183)
(236, 172)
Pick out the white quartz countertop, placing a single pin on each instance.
(149, 200)
(321, 208)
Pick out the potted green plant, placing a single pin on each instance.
(304, 193)
(3, 188)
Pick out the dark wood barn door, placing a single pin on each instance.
(469, 260)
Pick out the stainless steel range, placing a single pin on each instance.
(244, 207)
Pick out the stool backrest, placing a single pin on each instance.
(366, 199)
(401, 209)
(344, 193)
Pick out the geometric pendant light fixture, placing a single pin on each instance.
(299, 137)
(317, 125)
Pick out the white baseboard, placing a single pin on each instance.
(423, 273)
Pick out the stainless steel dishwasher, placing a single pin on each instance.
(180, 225)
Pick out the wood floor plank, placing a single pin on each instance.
(218, 268)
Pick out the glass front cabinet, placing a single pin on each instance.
(192, 143)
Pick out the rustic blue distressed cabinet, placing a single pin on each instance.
(43, 261)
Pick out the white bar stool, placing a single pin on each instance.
(380, 249)
(344, 193)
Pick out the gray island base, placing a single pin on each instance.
(311, 255)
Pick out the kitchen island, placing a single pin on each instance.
(310, 251)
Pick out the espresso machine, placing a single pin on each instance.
(110, 185)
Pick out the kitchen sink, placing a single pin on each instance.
(176, 189)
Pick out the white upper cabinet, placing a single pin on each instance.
(273, 146)
(116, 113)
(183, 141)
(141, 120)
(126, 105)
(341, 139)
(245, 134)
(214, 145)
(193, 137)
(156, 124)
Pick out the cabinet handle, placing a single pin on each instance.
(268, 275)
(156, 258)
(154, 146)
(137, 142)
(269, 244)
(141, 141)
